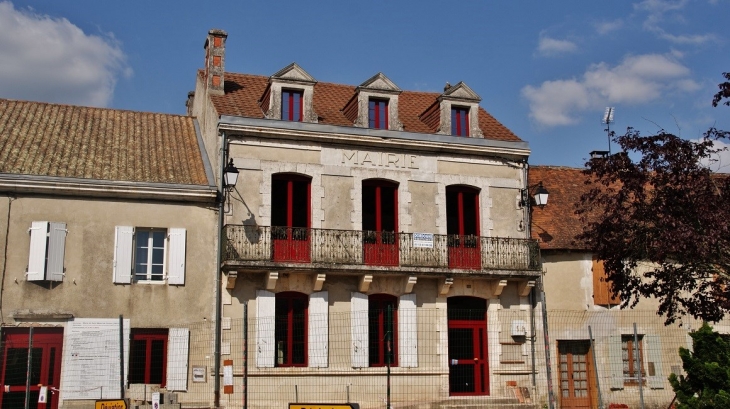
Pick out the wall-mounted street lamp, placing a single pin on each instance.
(540, 196)
(230, 175)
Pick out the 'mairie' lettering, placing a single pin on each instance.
(380, 159)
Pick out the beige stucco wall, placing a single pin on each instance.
(87, 290)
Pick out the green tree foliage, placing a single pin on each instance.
(707, 383)
(660, 220)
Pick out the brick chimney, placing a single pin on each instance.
(215, 51)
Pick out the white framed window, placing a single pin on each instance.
(47, 248)
(149, 255)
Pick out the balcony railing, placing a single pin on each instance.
(353, 247)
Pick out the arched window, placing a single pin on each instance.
(462, 226)
(290, 333)
(380, 222)
(382, 329)
(290, 217)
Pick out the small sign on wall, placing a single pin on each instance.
(423, 240)
(199, 374)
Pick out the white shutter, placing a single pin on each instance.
(176, 263)
(265, 316)
(407, 332)
(56, 249)
(177, 359)
(123, 254)
(37, 255)
(615, 362)
(317, 343)
(653, 348)
(359, 328)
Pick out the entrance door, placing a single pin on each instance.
(468, 366)
(45, 367)
(380, 222)
(462, 227)
(576, 374)
(290, 218)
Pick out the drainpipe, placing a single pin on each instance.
(219, 272)
(5, 259)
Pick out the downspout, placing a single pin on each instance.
(219, 272)
(5, 259)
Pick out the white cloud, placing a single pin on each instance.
(51, 59)
(637, 80)
(550, 46)
(721, 161)
(606, 27)
(657, 11)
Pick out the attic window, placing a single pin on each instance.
(375, 104)
(378, 113)
(459, 121)
(289, 96)
(459, 112)
(292, 102)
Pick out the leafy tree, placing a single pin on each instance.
(724, 91)
(707, 383)
(661, 222)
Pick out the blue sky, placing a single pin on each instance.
(546, 70)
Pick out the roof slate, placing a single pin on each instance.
(45, 139)
(243, 93)
(556, 225)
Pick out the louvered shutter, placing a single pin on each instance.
(615, 362)
(265, 316)
(177, 359)
(407, 332)
(359, 328)
(318, 331)
(37, 255)
(653, 348)
(123, 240)
(56, 249)
(176, 263)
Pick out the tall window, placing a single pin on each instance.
(290, 332)
(290, 217)
(378, 113)
(632, 363)
(380, 222)
(462, 226)
(148, 356)
(383, 324)
(149, 260)
(459, 121)
(291, 105)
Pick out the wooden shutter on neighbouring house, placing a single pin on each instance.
(265, 317)
(655, 372)
(318, 331)
(359, 330)
(176, 262)
(407, 332)
(602, 294)
(37, 254)
(177, 359)
(123, 241)
(56, 249)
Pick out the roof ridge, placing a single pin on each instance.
(90, 107)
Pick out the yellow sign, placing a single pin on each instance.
(324, 406)
(111, 404)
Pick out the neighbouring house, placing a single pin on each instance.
(375, 245)
(632, 352)
(108, 234)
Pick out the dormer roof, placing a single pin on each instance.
(293, 73)
(381, 84)
(462, 92)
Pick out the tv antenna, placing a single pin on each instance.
(607, 119)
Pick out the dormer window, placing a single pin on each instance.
(290, 95)
(292, 103)
(375, 104)
(459, 121)
(378, 113)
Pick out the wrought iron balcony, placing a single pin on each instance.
(369, 248)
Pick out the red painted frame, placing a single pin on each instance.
(287, 97)
(480, 361)
(465, 250)
(290, 297)
(148, 336)
(45, 339)
(379, 303)
(459, 121)
(382, 253)
(376, 108)
(295, 246)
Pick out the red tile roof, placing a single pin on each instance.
(94, 143)
(556, 225)
(243, 94)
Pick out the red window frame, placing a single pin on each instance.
(148, 339)
(291, 217)
(460, 121)
(380, 222)
(292, 105)
(462, 227)
(378, 113)
(291, 329)
(378, 327)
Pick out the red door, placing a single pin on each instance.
(462, 227)
(380, 223)
(290, 218)
(468, 355)
(45, 367)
